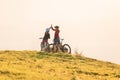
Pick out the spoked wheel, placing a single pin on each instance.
(66, 48)
(52, 48)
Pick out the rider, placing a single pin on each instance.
(56, 35)
(45, 38)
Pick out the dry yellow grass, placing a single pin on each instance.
(33, 65)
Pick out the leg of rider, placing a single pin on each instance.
(46, 45)
(42, 45)
(59, 45)
(55, 45)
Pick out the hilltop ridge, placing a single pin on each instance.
(34, 65)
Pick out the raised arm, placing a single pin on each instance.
(52, 28)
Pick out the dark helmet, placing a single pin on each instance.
(56, 26)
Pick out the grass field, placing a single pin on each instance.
(33, 65)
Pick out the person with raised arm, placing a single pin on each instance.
(56, 35)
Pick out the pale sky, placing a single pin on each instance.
(91, 26)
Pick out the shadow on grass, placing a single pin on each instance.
(56, 55)
(118, 76)
(94, 73)
(87, 73)
(10, 73)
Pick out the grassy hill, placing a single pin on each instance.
(33, 65)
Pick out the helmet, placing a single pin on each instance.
(56, 26)
(47, 29)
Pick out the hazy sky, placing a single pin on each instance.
(91, 26)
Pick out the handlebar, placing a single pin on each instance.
(40, 38)
(62, 39)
